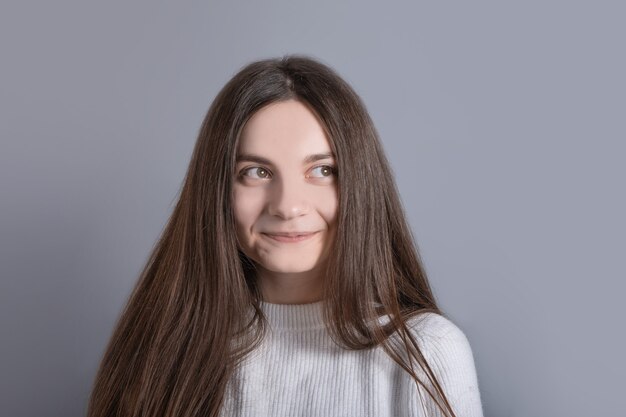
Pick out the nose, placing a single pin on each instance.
(288, 197)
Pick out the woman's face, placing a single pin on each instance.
(285, 184)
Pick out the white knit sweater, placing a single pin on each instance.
(300, 371)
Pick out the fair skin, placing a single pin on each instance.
(293, 188)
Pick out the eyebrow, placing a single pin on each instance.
(261, 160)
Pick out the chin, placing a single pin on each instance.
(290, 265)
(290, 268)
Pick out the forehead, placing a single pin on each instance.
(285, 127)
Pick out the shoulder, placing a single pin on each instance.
(433, 331)
(433, 328)
(447, 350)
(441, 341)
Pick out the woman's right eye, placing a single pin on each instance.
(260, 171)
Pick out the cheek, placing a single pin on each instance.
(329, 206)
(247, 207)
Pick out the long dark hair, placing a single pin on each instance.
(173, 349)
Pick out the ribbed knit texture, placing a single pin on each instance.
(300, 371)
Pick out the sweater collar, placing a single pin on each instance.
(294, 316)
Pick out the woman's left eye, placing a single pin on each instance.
(326, 170)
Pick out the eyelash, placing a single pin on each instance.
(333, 170)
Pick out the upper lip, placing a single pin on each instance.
(289, 234)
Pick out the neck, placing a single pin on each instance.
(290, 288)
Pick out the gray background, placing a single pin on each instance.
(504, 123)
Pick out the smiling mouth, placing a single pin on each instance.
(290, 239)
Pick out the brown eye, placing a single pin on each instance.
(260, 171)
(325, 170)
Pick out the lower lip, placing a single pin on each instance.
(288, 239)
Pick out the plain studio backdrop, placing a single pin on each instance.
(504, 123)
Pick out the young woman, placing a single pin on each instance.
(287, 281)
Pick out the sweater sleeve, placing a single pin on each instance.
(448, 353)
